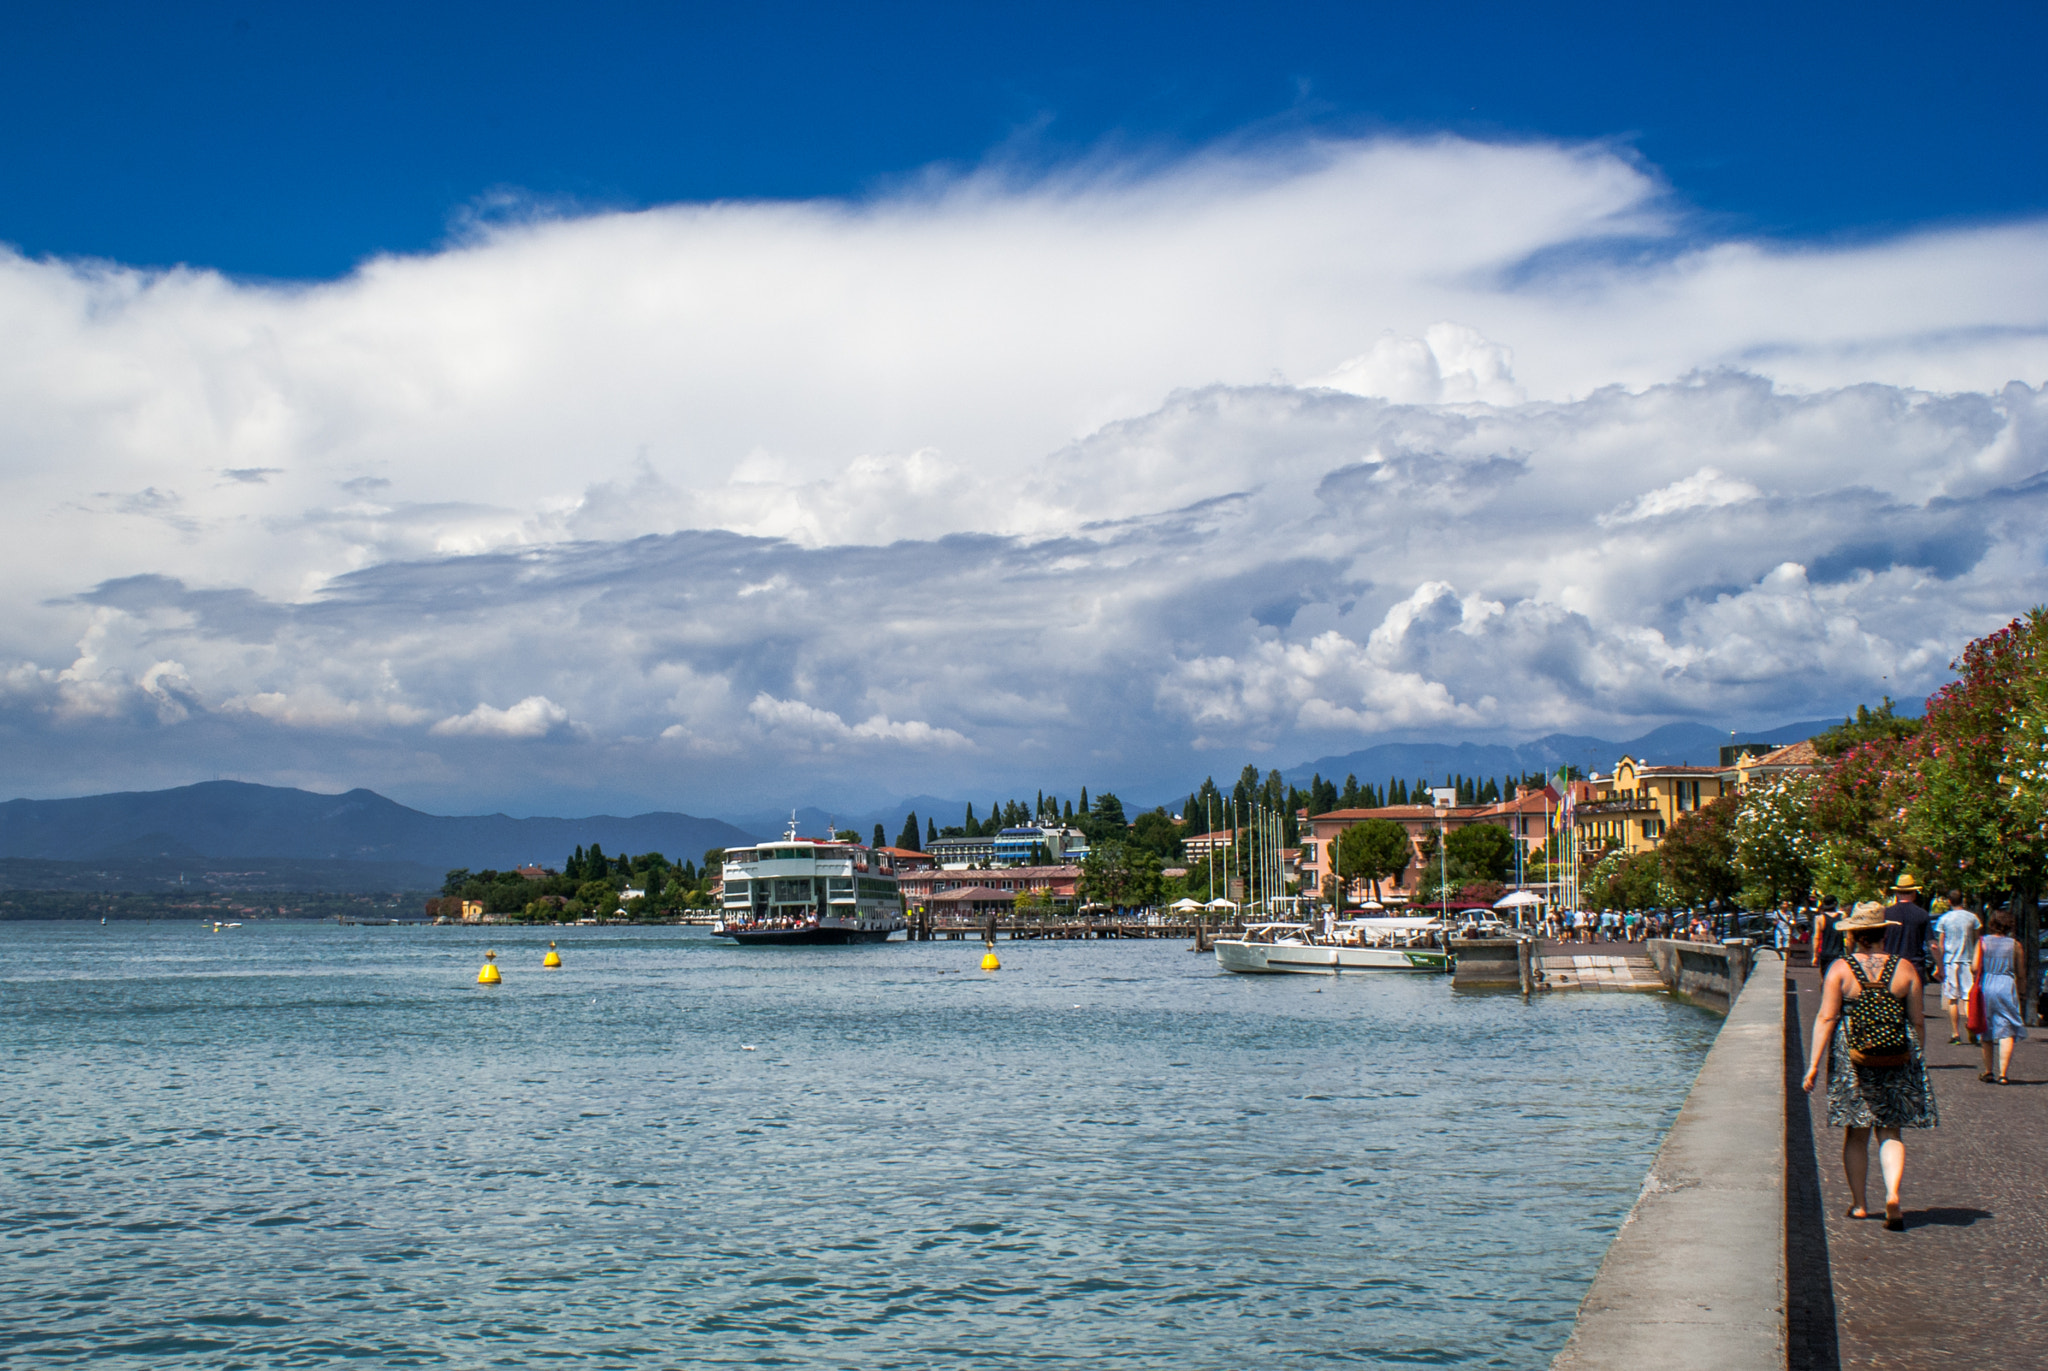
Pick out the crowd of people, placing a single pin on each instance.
(1634, 926)
(1870, 1034)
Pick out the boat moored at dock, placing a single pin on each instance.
(808, 890)
(1354, 945)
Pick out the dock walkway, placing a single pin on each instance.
(1967, 1283)
(1597, 966)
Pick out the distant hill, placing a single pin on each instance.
(245, 825)
(1671, 745)
(812, 822)
(171, 874)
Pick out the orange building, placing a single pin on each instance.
(1529, 818)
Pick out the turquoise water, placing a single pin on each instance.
(296, 1144)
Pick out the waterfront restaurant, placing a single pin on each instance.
(921, 888)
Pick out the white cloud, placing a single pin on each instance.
(1450, 363)
(992, 479)
(1704, 489)
(822, 726)
(536, 716)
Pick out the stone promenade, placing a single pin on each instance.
(1966, 1285)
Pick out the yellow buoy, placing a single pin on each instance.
(489, 975)
(989, 962)
(553, 961)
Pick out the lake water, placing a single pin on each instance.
(297, 1144)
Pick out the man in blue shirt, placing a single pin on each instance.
(1955, 935)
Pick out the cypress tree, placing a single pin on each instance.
(907, 839)
(880, 841)
(931, 830)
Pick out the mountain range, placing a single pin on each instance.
(235, 835)
(1671, 745)
(238, 824)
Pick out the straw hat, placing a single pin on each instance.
(1907, 883)
(1869, 914)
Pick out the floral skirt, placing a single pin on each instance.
(1878, 1096)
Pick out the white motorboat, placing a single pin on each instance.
(1354, 945)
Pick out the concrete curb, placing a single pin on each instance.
(1696, 1276)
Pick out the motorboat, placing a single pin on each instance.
(1373, 944)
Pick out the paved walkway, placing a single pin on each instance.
(1967, 1283)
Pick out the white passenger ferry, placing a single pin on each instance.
(808, 890)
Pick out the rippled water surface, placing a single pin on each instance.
(295, 1144)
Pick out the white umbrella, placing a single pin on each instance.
(1517, 900)
(1188, 903)
(1219, 903)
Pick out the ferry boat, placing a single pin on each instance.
(808, 890)
(1354, 945)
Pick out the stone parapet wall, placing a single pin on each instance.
(1706, 974)
(1696, 1276)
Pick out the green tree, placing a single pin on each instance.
(1480, 853)
(1620, 881)
(1120, 875)
(907, 839)
(1697, 858)
(1867, 725)
(1156, 831)
(456, 879)
(1776, 850)
(599, 897)
(1374, 851)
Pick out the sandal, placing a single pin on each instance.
(1954, 1038)
(1894, 1221)
(1857, 1211)
(1986, 1077)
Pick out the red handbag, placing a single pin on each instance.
(1975, 1017)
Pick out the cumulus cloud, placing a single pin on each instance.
(822, 726)
(1281, 451)
(1704, 489)
(536, 716)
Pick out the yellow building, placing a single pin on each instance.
(1634, 807)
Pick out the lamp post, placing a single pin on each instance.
(1443, 797)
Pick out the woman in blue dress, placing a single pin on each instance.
(1995, 968)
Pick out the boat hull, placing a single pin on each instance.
(813, 937)
(1309, 959)
(810, 935)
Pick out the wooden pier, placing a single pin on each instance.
(927, 929)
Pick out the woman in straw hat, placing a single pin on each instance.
(1872, 1027)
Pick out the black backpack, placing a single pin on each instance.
(1879, 1033)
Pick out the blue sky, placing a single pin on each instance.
(623, 409)
(293, 140)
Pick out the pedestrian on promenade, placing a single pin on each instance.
(1996, 966)
(1827, 936)
(1955, 946)
(1781, 929)
(1908, 936)
(1871, 1027)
